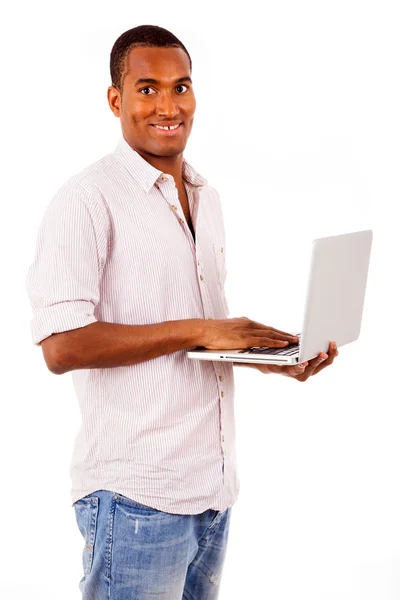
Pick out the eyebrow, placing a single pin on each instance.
(155, 81)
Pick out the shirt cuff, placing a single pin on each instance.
(60, 317)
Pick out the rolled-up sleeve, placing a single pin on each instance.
(63, 282)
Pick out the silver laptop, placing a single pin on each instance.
(333, 307)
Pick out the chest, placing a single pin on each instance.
(151, 263)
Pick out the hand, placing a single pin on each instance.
(303, 371)
(235, 334)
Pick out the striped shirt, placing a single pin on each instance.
(114, 246)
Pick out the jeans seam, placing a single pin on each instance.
(214, 522)
(109, 542)
(92, 529)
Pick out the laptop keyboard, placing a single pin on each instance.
(287, 351)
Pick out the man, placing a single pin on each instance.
(129, 273)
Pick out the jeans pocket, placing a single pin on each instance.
(86, 513)
(137, 507)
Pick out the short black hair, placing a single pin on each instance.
(143, 35)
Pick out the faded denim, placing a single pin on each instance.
(135, 552)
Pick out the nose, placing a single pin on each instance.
(166, 105)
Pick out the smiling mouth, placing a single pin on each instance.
(175, 130)
(167, 128)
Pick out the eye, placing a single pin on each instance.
(181, 85)
(146, 88)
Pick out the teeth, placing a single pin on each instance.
(162, 127)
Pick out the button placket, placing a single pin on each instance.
(207, 305)
(222, 395)
(200, 270)
(177, 209)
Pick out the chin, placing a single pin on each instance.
(169, 151)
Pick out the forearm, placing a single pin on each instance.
(105, 345)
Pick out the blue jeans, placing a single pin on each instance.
(135, 552)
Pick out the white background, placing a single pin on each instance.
(297, 126)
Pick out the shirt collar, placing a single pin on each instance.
(145, 174)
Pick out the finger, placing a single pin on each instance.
(312, 368)
(285, 333)
(292, 370)
(321, 361)
(316, 363)
(269, 342)
(280, 336)
(301, 368)
(265, 338)
(333, 353)
(332, 350)
(262, 333)
(320, 367)
(272, 329)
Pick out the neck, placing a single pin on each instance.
(172, 165)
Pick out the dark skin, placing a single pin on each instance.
(170, 99)
(303, 371)
(140, 105)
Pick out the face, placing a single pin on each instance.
(167, 99)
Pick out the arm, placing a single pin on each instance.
(105, 345)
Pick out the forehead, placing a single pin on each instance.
(158, 63)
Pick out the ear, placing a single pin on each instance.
(114, 100)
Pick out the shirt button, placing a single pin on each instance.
(164, 178)
(209, 317)
(201, 277)
(173, 207)
(223, 439)
(198, 262)
(181, 221)
(220, 377)
(222, 394)
(157, 186)
(222, 249)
